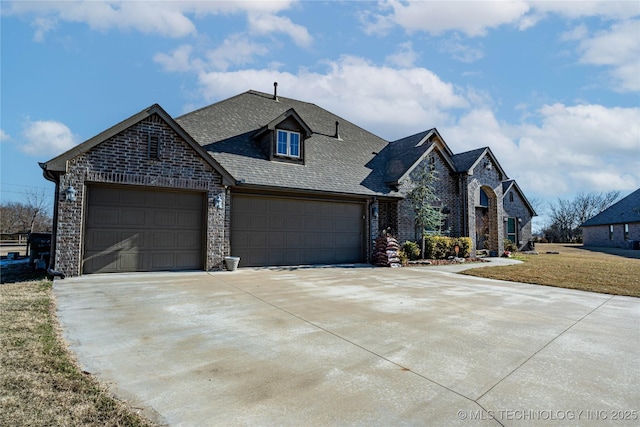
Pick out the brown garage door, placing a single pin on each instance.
(137, 229)
(282, 231)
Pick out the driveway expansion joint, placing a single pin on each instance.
(315, 325)
(545, 346)
(192, 348)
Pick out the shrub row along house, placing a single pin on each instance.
(272, 180)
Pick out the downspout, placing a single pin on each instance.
(50, 176)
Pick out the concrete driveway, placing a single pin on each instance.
(355, 346)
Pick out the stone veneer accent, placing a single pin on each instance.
(490, 180)
(124, 160)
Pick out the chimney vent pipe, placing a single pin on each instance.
(275, 91)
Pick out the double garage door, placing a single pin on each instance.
(130, 229)
(138, 229)
(289, 231)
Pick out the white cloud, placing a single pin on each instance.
(577, 33)
(43, 25)
(269, 23)
(460, 51)
(572, 149)
(404, 57)
(4, 136)
(473, 18)
(619, 48)
(235, 50)
(390, 102)
(166, 18)
(608, 9)
(179, 60)
(46, 137)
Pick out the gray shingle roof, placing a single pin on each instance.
(400, 155)
(464, 161)
(625, 211)
(506, 185)
(342, 165)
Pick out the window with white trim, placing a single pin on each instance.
(288, 144)
(512, 231)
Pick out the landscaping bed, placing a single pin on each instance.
(427, 262)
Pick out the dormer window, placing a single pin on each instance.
(288, 144)
(283, 138)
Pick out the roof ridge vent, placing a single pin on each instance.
(275, 91)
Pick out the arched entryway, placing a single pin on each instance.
(486, 219)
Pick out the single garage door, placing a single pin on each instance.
(287, 231)
(138, 229)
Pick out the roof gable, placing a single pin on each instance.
(402, 156)
(467, 161)
(624, 211)
(59, 164)
(289, 114)
(511, 184)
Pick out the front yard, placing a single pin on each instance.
(615, 271)
(40, 384)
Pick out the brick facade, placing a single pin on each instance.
(447, 188)
(150, 150)
(514, 206)
(124, 160)
(598, 235)
(459, 190)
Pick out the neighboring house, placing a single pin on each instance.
(617, 226)
(272, 180)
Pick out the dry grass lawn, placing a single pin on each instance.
(609, 271)
(40, 385)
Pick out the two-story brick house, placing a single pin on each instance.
(273, 180)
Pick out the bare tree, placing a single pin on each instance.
(34, 215)
(564, 219)
(567, 216)
(537, 204)
(40, 210)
